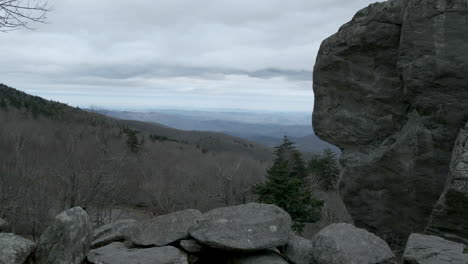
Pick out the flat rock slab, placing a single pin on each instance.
(247, 227)
(346, 244)
(164, 229)
(113, 232)
(425, 249)
(118, 253)
(14, 249)
(298, 250)
(67, 239)
(191, 245)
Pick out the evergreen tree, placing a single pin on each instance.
(325, 169)
(133, 143)
(288, 186)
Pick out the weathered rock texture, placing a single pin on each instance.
(14, 249)
(298, 250)
(118, 253)
(113, 232)
(450, 215)
(67, 239)
(164, 229)
(424, 249)
(346, 244)
(249, 227)
(390, 90)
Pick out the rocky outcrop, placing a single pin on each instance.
(346, 244)
(112, 232)
(67, 239)
(164, 229)
(249, 227)
(118, 253)
(425, 249)
(191, 246)
(14, 249)
(390, 91)
(450, 216)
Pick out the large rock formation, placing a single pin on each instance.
(346, 244)
(424, 249)
(249, 227)
(390, 91)
(67, 239)
(14, 249)
(450, 215)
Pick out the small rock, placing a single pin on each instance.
(164, 229)
(67, 239)
(249, 227)
(112, 232)
(118, 253)
(14, 249)
(191, 245)
(425, 249)
(298, 250)
(346, 244)
(5, 227)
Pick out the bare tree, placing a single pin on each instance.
(19, 13)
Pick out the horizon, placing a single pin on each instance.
(218, 55)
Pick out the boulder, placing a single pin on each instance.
(118, 253)
(346, 244)
(164, 229)
(426, 249)
(262, 257)
(248, 227)
(390, 91)
(4, 226)
(14, 249)
(298, 250)
(450, 215)
(191, 245)
(67, 239)
(112, 232)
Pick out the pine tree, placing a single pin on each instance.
(288, 186)
(325, 169)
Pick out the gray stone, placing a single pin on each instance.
(67, 239)
(390, 91)
(4, 226)
(112, 232)
(164, 229)
(191, 245)
(298, 250)
(14, 249)
(346, 244)
(247, 227)
(426, 249)
(118, 253)
(450, 215)
(262, 257)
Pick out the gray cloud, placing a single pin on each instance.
(253, 53)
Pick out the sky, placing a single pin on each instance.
(180, 54)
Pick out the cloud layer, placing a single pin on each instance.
(175, 53)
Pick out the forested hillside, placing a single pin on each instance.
(55, 157)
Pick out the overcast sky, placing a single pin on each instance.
(189, 54)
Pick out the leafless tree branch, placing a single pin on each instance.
(16, 14)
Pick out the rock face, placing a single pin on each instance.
(247, 227)
(67, 239)
(298, 250)
(346, 244)
(191, 245)
(450, 216)
(425, 249)
(112, 232)
(14, 249)
(4, 226)
(164, 229)
(390, 91)
(118, 253)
